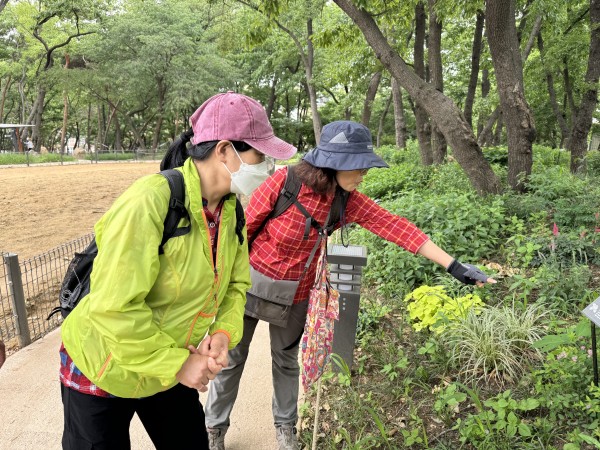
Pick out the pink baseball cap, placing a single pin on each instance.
(236, 117)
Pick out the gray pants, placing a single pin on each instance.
(285, 342)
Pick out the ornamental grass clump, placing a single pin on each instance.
(430, 307)
(496, 345)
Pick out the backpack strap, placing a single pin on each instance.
(289, 196)
(286, 198)
(240, 220)
(177, 210)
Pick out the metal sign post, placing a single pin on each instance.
(346, 270)
(592, 312)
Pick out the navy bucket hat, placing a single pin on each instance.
(344, 145)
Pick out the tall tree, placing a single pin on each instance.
(304, 46)
(370, 98)
(438, 143)
(474, 74)
(442, 109)
(399, 119)
(506, 57)
(421, 117)
(583, 119)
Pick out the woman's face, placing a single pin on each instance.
(251, 156)
(349, 180)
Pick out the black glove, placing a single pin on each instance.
(466, 273)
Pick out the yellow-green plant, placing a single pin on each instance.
(430, 307)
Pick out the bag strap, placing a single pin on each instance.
(177, 210)
(289, 196)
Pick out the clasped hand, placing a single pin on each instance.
(205, 362)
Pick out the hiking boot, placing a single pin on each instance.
(286, 437)
(216, 438)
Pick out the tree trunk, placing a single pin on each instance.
(36, 135)
(562, 123)
(272, 97)
(569, 90)
(118, 138)
(312, 92)
(485, 90)
(101, 137)
(162, 92)
(347, 109)
(399, 121)
(447, 115)
(421, 117)
(582, 122)
(438, 143)
(63, 131)
(508, 65)
(475, 58)
(370, 98)
(382, 118)
(3, 3)
(3, 100)
(88, 135)
(498, 131)
(485, 136)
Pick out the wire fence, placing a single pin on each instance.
(29, 291)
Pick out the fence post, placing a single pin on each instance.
(17, 295)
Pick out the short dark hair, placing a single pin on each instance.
(320, 180)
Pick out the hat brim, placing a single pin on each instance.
(273, 146)
(343, 161)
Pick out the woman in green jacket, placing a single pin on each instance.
(155, 329)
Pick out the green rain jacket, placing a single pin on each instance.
(130, 334)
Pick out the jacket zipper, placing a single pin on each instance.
(215, 287)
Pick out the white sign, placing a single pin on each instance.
(592, 311)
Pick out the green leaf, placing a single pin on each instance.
(524, 430)
(590, 440)
(528, 404)
(551, 342)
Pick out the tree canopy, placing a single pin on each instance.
(128, 74)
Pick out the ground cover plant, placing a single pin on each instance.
(440, 365)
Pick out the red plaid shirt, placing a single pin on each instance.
(280, 252)
(71, 376)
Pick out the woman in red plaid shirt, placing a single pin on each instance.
(280, 251)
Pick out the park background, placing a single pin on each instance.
(487, 113)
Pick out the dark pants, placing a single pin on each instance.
(173, 419)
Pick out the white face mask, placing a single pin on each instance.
(248, 177)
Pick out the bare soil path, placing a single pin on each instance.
(42, 207)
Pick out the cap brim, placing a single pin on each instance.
(273, 146)
(343, 161)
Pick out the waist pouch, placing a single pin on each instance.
(270, 300)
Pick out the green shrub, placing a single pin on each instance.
(562, 290)
(394, 181)
(592, 161)
(21, 158)
(394, 155)
(450, 177)
(496, 155)
(429, 307)
(111, 156)
(556, 182)
(465, 225)
(500, 423)
(549, 157)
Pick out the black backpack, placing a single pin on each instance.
(289, 196)
(76, 283)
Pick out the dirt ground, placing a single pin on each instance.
(43, 207)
